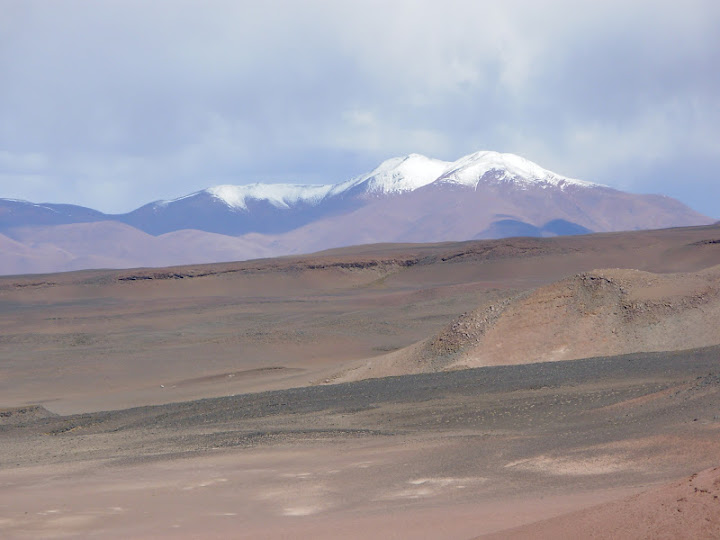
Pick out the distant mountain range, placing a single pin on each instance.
(405, 199)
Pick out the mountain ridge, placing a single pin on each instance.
(410, 198)
(394, 175)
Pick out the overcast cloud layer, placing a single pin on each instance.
(114, 104)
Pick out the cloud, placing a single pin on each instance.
(124, 102)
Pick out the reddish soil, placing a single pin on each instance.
(685, 509)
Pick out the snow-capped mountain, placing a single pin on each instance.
(278, 208)
(399, 175)
(405, 199)
(393, 176)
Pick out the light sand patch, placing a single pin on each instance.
(445, 482)
(302, 510)
(567, 466)
(205, 483)
(410, 493)
(303, 499)
(429, 487)
(297, 475)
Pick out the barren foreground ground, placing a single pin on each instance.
(219, 422)
(447, 455)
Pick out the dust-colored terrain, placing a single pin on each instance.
(221, 420)
(686, 509)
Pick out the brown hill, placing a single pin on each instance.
(599, 313)
(595, 313)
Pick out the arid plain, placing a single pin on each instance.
(532, 388)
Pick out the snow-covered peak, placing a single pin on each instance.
(279, 195)
(398, 174)
(469, 170)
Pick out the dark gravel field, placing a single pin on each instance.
(549, 405)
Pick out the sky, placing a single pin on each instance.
(114, 104)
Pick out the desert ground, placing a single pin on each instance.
(518, 388)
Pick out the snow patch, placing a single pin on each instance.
(470, 170)
(279, 195)
(397, 175)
